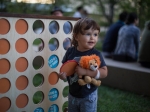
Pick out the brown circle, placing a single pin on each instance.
(4, 46)
(21, 45)
(21, 26)
(4, 85)
(4, 26)
(22, 100)
(21, 64)
(4, 104)
(21, 82)
(53, 78)
(4, 66)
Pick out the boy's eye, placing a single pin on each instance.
(95, 34)
(88, 34)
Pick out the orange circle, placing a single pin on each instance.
(4, 66)
(21, 45)
(22, 100)
(21, 26)
(21, 64)
(21, 82)
(53, 78)
(4, 46)
(4, 26)
(4, 104)
(69, 67)
(4, 85)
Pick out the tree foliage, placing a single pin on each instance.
(106, 11)
(109, 9)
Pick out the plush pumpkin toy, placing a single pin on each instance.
(91, 62)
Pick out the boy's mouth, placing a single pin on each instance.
(90, 42)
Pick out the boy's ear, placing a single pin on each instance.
(75, 36)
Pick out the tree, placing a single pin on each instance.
(143, 11)
(3, 5)
(106, 10)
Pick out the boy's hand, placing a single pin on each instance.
(62, 75)
(80, 71)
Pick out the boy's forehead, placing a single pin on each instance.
(92, 29)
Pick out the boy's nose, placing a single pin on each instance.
(92, 36)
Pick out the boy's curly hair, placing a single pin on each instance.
(82, 25)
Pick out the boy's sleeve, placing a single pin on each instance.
(102, 60)
(65, 58)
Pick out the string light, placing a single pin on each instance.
(37, 1)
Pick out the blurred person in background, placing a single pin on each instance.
(111, 36)
(57, 11)
(144, 50)
(128, 40)
(79, 12)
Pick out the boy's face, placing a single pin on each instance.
(87, 40)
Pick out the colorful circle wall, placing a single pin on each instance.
(30, 58)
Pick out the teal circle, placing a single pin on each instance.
(53, 108)
(53, 61)
(53, 94)
(39, 109)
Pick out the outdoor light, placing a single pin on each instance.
(37, 1)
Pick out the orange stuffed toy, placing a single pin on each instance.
(91, 62)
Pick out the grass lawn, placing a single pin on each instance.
(115, 100)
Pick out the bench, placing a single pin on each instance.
(129, 76)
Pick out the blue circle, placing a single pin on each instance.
(53, 94)
(53, 108)
(53, 61)
(39, 109)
